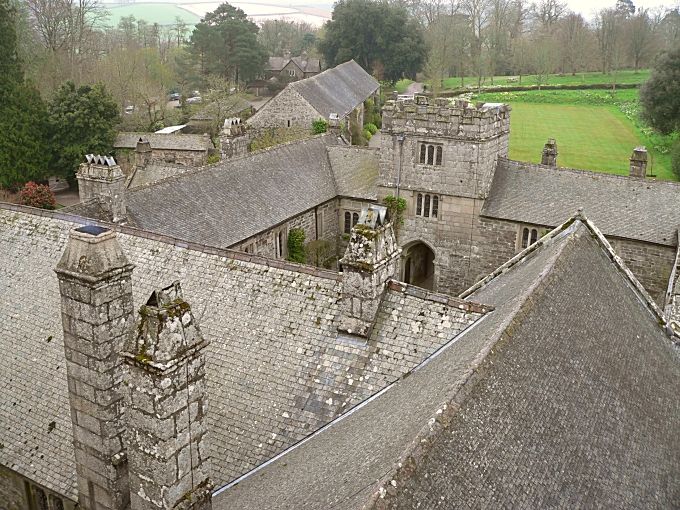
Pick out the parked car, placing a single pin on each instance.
(175, 96)
(129, 110)
(195, 99)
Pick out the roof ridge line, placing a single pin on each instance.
(438, 297)
(526, 165)
(204, 168)
(174, 241)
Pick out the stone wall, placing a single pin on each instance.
(318, 223)
(287, 109)
(650, 263)
(497, 242)
(15, 491)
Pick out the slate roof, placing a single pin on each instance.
(337, 90)
(640, 209)
(223, 204)
(355, 170)
(554, 399)
(154, 172)
(174, 141)
(309, 65)
(277, 369)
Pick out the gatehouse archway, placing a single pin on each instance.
(417, 262)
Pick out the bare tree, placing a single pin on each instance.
(548, 12)
(573, 36)
(640, 37)
(477, 13)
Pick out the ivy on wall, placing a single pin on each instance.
(296, 245)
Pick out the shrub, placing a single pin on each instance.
(212, 159)
(319, 126)
(396, 207)
(296, 245)
(37, 195)
(371, 127)
(367, 135)
(675, 159)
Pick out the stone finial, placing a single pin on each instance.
(101, 176)
(166, 407)
(549, 154)
(370, 261)
(638, 163)
(97, 310)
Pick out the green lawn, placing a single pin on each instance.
(627, 76)
(163, 14)
(597, 138)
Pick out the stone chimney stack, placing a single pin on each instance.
(142, 153)
(638, 163)
(101, 177)
(371, 259)
(97, 313)
(233, 138)
(549, 154)
(166, 407)
(286, 54)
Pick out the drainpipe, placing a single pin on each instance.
(400, 139)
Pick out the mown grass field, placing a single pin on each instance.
(627, 76)
(595, 130)
(163, 14)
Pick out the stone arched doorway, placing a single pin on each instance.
(417, 262)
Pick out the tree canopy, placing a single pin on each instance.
(660, 95)
(382, 37)
(82, 121)
(23, 151)
(225, 43)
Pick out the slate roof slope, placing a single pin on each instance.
(223, 204)
(174, 141)
(355, 170)
(641, 209)
(554, 399)
(277, 369)
(337, 90)
(154, 172)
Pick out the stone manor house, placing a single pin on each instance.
(513, 343)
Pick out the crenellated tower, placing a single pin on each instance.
(440, 156)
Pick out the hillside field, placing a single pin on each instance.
(595, 130)
(161, 13)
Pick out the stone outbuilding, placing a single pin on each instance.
(292, 68)
(176, 149)
(337, 93)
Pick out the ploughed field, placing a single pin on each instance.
(595, 130)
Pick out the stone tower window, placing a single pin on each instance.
(427, 205)
(280, 244)
(529, 236)
(351, 219)
(430, 154)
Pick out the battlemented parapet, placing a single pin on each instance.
(233, 139)
(457, 119)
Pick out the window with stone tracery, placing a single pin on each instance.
(430, 153)
(427, 205)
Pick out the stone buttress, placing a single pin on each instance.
(166, 407)
(97, 313)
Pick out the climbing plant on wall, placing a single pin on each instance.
(296, 245)
(396, 207)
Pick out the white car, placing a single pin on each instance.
(193, 100)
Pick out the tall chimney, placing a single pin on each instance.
(142, 153)
(97, 313)
(638, 163)
(101, 177)
(166, 407)
(549, 154)
(370, 261)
